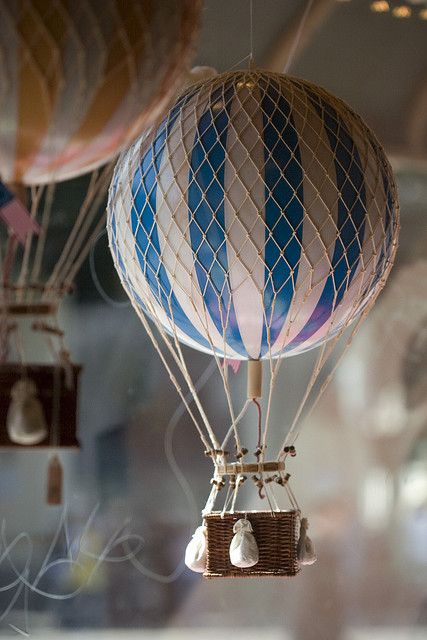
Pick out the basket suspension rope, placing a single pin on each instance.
(79, 244)
(173, 377)
(234, 419)
(85, 242)
(192, 388)
(22, 278)
(295, 427)
(41, 239)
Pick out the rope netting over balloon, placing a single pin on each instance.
(257, 222)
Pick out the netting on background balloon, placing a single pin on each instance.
(77, 83)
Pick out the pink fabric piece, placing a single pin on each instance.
(18, 219)
(234, 364)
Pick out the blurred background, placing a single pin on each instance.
(140, 479)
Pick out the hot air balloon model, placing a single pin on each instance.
(78, 81)
(258, 222)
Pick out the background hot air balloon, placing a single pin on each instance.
(257, 222)
(78, 81)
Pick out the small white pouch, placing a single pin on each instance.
(243, 547)
(195, 553)
(25, 422)
(305, 548)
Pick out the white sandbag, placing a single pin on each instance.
(195, 553)
(305, 548)
(25, 422)
(243, 548)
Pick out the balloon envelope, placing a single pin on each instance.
(258, 221)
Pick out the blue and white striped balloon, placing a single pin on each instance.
(258, 220)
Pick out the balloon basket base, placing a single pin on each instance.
(276, 534)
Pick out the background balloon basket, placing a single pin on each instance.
(276, 533)
(57, 390)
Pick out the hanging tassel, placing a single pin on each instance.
(305, 548)
(243, 548)
(65, 361)
(25, 422)
(195, 553)
(54, 481)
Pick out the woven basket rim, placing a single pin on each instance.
(251, 512)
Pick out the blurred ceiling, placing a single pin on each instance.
(374, 61)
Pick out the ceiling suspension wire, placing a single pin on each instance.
(298, 35)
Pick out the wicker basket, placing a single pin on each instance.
(276, 534)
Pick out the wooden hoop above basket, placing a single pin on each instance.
(234, 468)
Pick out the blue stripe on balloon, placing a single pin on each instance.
(207, 216)
(351, 218)
(144, 227)
(284, 211)
(120, 262)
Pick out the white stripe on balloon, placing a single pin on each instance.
(244, 214)
(320, 218)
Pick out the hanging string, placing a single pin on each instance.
(179, 359)
(44, 225)
(36, 194)
(82, 253)
(236, 491)
(251, 34)
(239, 62)
(250, 56)
(228, 498)
(275, 365)
(210, 502)
(85, 242)
(269, 490)
(293, 433)
(172, 376)
(177, 356)
(78, 245)
(222, 370)
(235, 423)
(298, 36)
